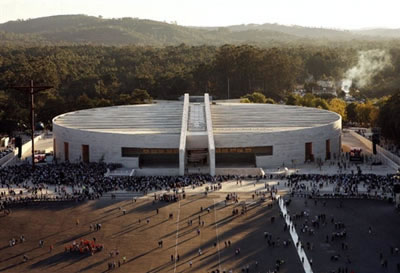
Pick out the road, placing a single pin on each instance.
(44, 144)
(349, 141)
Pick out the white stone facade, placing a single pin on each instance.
(222, 130)
(288, 146)
(107, 146)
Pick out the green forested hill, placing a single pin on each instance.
(380, 32)
(299, 31)
(82, 29)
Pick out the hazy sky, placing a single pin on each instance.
(320, 13)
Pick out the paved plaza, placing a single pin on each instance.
(371, 237)
(136, 234)
(138, 240)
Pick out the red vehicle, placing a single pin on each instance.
(39, 158)
(356, 155)
(84, 246)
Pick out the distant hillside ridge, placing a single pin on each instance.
(83, 29)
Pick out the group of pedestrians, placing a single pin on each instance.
(344, 184)
(85, 181)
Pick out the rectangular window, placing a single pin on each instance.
(135, 152)
(258, 151)
(263, 151)
(66, 151)
(130, 152)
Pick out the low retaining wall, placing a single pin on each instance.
(239, 171)
(389, 154)
(157, 172)
(12, 158)
(6, 158)
(28, 146)
(218, 171)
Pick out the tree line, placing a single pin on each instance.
(356, 113)
(383, 113)
(95, 76)
(81, 29)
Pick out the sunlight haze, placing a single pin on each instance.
(340, 14)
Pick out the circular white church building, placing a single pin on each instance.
(184, 135)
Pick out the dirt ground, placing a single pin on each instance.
(56, 224)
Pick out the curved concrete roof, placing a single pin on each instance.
(166, 118)
(161, 118)
(247, 117)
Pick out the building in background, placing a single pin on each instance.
(177, 137)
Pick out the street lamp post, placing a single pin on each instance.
(32, 90)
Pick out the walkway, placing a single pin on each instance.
(197, 119)
(295, 237)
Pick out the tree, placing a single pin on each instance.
(279, 71)
(292, 99)
(389, 118)
(351, 112)
(367, 113)
(338, 106)
(124, 99)
(310, 86)
(327, 63)
(3, 103)
(255, 97)
(140, 96)
(84, 102)
(374, 116)
(270, 101)
(320, 103)
(92, 76)
(224, 66)
(8, 126)
(307, 100)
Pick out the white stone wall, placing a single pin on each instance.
(210, 133)
(157, 172)
(239, 171)
(4, 141)
(27, 147)
(196, 140)
(182, 139)
(107, 146)
(287, 145)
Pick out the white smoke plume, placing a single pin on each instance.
(370, 63)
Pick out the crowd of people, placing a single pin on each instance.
(344, 184)
(87, 181)
(6, 151)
